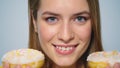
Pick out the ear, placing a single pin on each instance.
(34, 24)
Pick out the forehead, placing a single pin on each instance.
(64, 5)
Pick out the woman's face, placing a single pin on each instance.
(64, 29)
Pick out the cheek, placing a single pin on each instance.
(84, 32)
(46, 33)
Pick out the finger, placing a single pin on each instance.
(5, 65)
(18, 66)
(28, 66)
(108, 67)
(117, 65)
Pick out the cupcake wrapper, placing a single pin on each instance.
(97, 64)
(38, 64)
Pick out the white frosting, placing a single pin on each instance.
(109, 57)
(23, 56)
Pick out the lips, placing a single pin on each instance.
(65, 49)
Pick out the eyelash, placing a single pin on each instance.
(78, 19)
(51, 19)
(81, 19)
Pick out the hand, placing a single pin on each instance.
(6, 65)
(116, 65)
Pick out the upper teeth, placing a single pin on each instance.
(64, 48)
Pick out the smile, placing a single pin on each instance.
(65, 49)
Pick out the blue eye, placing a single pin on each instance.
(81, 19)
(51, 19)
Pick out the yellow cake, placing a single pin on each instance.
(24, 57)
(103, 59)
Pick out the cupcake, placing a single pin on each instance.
(103, 59)
(24, 57)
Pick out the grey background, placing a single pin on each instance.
(14, 25)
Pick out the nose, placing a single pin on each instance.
(65, 33)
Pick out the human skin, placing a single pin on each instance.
(116, 65)
(64, 24)
(64, 30)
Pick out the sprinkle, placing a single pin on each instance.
(23, 56)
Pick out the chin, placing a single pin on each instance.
(65, 63)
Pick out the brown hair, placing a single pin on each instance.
(95, 43)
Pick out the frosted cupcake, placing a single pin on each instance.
(24, 57)
(103, 59)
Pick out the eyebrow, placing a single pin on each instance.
(57, 14)
(50, 13)
(81, 13)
